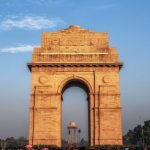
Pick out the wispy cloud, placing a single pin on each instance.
(30, 23)
(19, 49)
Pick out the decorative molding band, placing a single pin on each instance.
(46, 94)
(106, 108)
(43, 108)
(75, 64)
(73, 53)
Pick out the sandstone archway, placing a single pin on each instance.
(75, 54)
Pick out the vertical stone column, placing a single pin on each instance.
(110, 123)
(91, 119)
(68, 135)
(31, 115)
(75, 135)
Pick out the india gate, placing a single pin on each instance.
(75, 56)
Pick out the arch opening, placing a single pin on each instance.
(75, 108)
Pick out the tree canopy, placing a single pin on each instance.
(140, 135)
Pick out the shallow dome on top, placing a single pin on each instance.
(75, 27)
(72, 125)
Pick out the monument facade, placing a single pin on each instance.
(75, 56)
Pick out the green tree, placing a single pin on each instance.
(146, 132)
(22, 141)
(139, 135)
(11, 142)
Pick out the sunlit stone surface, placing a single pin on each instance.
(68, 56)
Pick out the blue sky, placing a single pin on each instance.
(21, 25)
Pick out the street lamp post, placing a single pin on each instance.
(79, 131)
